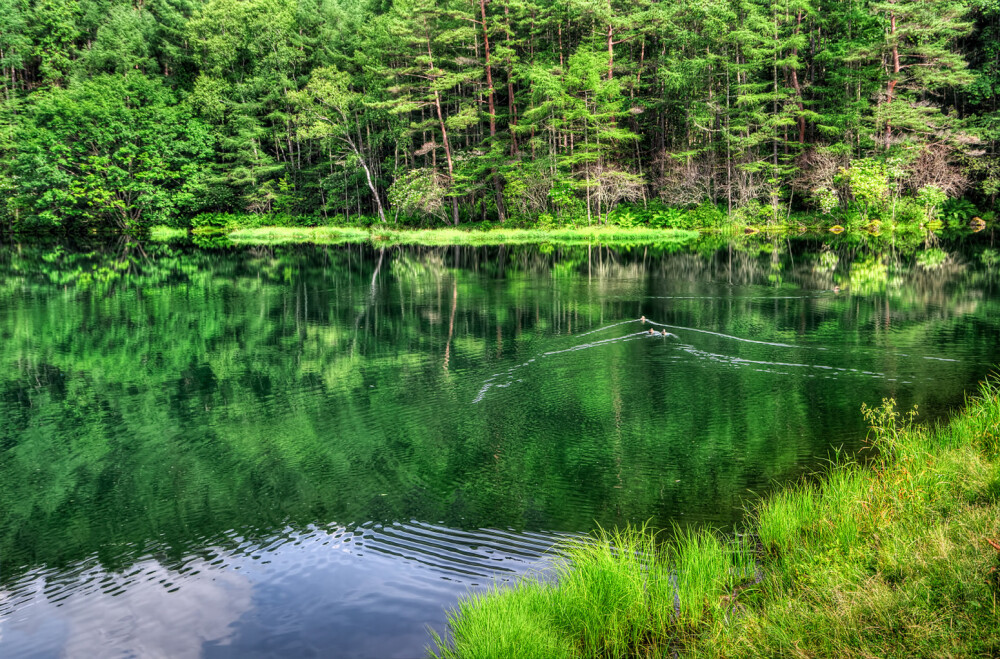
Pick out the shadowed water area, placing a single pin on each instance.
(314, 451)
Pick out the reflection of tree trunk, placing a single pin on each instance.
(451, 323)
(372, 291)
(381, 253)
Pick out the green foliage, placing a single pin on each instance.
(931, 197)
(318, 109)
(673, 218)
(420, 192)
(707, 215)
(112, 150)
(868, 184)
(932, 259)
(209, 221)
(754, 213)
(826, 199)
(956, 213)
(624, 217)
(911, 212)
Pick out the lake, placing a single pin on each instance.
(245, 451)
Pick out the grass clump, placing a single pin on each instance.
(620, 594)
(897, 557)
(789, 514)
(507, 622)
(601, 594)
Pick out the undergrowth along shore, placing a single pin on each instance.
(606, 234)
(444, 237)
(899, 557)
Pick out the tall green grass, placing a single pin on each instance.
(621, 594)
(886, 559)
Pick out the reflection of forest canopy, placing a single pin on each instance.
(153, 394)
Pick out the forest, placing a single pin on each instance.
(117, 116)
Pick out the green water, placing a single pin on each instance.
(313, 451)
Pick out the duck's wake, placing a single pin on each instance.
(779, 366)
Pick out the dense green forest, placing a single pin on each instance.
(127, 114)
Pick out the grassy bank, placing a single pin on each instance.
(896, 558)
(437, 237)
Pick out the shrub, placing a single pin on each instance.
(420, 192)
(208, 221)
(625, 218)
(754, 213)
(956, 213)
(910, 211)
(930, 197)
(868, 183)
(826, 199)
(707, 214)
(672, 218)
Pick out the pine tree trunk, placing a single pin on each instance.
(890, 92)
(497, 188)
(444, 139)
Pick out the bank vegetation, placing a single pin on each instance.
(896, 554)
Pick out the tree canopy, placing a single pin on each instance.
(123, 114)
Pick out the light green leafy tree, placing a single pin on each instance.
(330, 111)
(115, 150)
(867, 183)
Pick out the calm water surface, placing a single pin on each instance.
(314, 451)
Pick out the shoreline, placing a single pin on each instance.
(436, 237)
(606, 235)
(896, 557)
(448, 237)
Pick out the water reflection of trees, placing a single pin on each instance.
(157, 392)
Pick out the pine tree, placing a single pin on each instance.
(921, 61)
